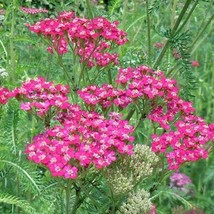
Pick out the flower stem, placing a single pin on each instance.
(173, 13)
(90, 13)
(130, 114)
(174, 29)
(177, 23)
(109, 77)
(68, 195)
(187, 18)
(75, 206)
(202, 30)
(148, 32)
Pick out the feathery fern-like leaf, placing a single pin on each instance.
(23, 171)
(114, 5)
(13, 200)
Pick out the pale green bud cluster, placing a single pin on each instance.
(137, 203)
(128, 170)
(120, 184)
(143, 161)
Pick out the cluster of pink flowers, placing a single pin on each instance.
(181, 142)
(81, 140)
(186, 142)
(180, 181)
(91, 40)
(141, 82)
(40, 95)
(106, 95)
(33, 10)
(5, 95)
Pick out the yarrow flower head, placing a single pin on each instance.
(5, 95)
(186, 142)
(137, 202)
(129, 170)
(181, 209)
(40, 95)
(91, 39)
(180, 181)
(83, 139)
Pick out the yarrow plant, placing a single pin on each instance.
(94, 127)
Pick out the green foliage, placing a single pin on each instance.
(12, 200)
(114, 6)
(180, 45)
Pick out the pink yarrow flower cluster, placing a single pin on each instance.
(106, 95)
(28, 10)
(82, 140)
(136, 83)
(181, 142)
(186, 141)
(91, 40)
(180, 181)
(40, 95)
(5, 95)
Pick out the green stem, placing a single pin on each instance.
(113, 202)
(202, 30)
(187, 18)
(173, 12)
(109, 77)
(174, 29)
(181, 16)
(161, 55)
(130, 114)
(148, 32)
(199, 42)
(70, 82)
(68, 195)
(65, 71)
(86, 62)
(90, 13)
(77, 200)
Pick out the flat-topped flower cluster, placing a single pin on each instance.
(40, 96)
(180, 181)
(91, 40)
(82, 139)
(5, 95)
